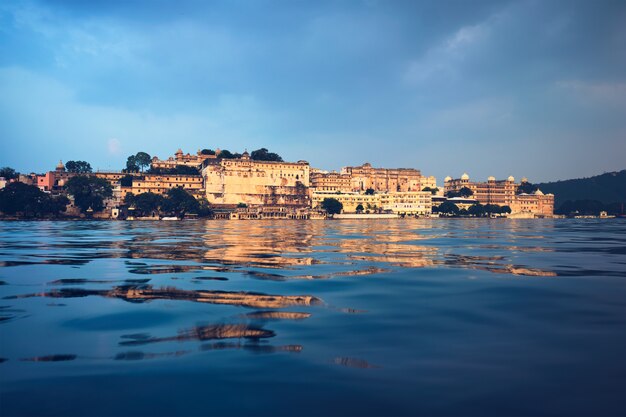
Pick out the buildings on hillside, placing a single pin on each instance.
(179, 158)
(366, 177)
(250, 182)
(285, 189)
(504, 193)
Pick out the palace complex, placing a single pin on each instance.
(243, 180)
(241, 187)
(503, 193)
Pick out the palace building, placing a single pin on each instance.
(499, 192)
(404, 202)
(383, 179)
(243, 180)
(330, 181)
(180, 158)
(503, 193)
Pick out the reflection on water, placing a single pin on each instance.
(252, 347)
(51, 358)
(215, 331)
(140, 294)
(353, 363)
(432, 317)
(277, 315)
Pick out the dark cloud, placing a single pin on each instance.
(442, 86)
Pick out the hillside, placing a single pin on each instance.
(606, 188)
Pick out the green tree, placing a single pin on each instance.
(581, 207)
(433, 191)
(505, 210)
(179, 202)
(492, 209)
(264, 155)
(447, 208)
(226, 154)
(466, 192)
(204, 209)
(29, 201)
(186, 170)
(370, 191)
(89, 191)
(332, 206)
(8, 173)
(526, 188)
(142, 160)
(477, 210)
(359, 208)
(80, 167)
(131, 164)
(207, 152)
(146, 203)
(126, 181)
(242, 205)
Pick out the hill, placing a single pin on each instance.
(606, 188)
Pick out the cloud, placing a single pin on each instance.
(442, 59)
(63, 127)
(594, 93)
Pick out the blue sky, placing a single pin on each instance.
(523, 88)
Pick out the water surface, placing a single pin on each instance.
(350, 317)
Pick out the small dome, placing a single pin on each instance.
(179, 151)
(245, 155)
(538, 192)
(465, 176)
(511, 178)
(524, 179)
(491, 178)
(448, 178)
(60, 166)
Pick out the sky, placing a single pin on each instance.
(525, 88)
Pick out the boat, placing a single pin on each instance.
(170, 218)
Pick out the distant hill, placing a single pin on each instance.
(606, 188)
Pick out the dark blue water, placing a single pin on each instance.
(381, 317)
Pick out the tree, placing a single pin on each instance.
(89, 191)
(185, 170)
(131, 164)
(492, 209)
(142, 160)
(242, 205)
(178, 170)
(505, 210)
(126, 181)
(204, 209)
(370, 191)
(80, 167)
(581, 207)
(465, 192)
(179, 202)
(359, 208)
(30, 201)
(526, 188)
(226, 154)
(433, 191)
(145, 203)
(8, 173)
(477, 210)
(448, 208)
(332, 206)
(207, 152)
(263, 155)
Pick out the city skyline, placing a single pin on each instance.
(518, 88)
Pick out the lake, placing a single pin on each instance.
(441, 317)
